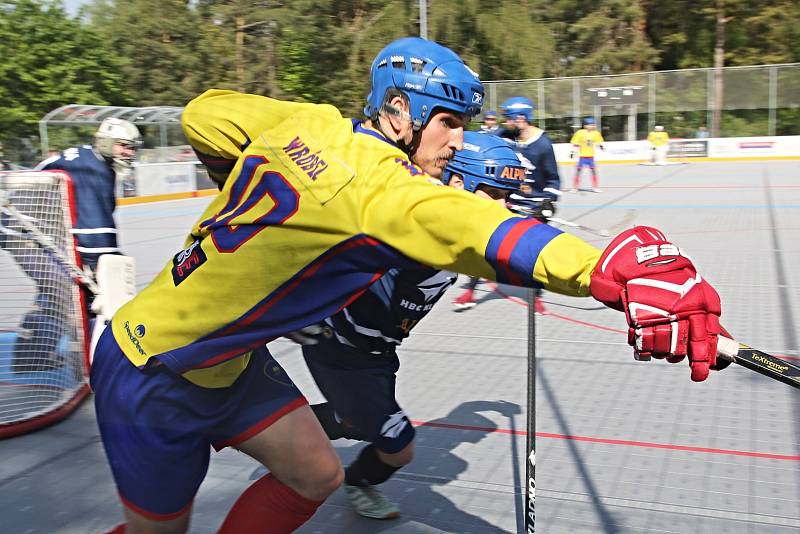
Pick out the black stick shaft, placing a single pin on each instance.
(530, 509)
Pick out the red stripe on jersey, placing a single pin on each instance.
(507, 247)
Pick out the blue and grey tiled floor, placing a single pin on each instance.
(622, 446)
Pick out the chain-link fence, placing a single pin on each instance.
(727, 102)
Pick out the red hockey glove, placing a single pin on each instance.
(671, 310)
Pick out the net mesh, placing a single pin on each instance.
(42, 319)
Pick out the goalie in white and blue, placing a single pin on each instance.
(93, 170)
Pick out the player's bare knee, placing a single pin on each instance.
(326, 479)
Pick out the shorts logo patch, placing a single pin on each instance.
(394, 425)
(275, 372)
(186, 261)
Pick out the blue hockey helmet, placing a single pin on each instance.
(588, 121)
(518, 105)
(429, 75)
(491, 114)
(486, 159)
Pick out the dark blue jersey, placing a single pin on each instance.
(93, 183)
(383, 316)
(538, 150)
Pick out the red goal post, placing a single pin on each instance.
(44, 341)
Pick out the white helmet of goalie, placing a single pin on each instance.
(117, 140)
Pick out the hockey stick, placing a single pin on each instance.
(32, 233)
(530, 471)
(758, 361)
(626, 220)
(542, 214)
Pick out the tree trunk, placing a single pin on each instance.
(719, 62)
(239, 52)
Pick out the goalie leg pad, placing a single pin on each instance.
(116, 280)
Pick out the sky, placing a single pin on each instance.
(72, 5)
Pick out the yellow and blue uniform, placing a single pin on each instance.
(658, 139)
(315, 208)
(586, 140)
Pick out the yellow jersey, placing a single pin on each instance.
(658, 138)
(315, 208)
(586, 141)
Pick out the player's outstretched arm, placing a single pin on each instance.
(672, 311)
(460, 232)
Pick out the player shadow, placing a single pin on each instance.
(413, 488)
(604, 516)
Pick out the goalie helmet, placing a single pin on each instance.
(486, 159)
(428, 75)
(113, 131)
(518, 105)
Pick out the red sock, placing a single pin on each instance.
(268, 506)
(595, 182)
(119, 529)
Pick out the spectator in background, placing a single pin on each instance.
(5, 165)
(702, 133)
(490, 123)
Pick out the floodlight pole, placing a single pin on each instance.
(423, 19)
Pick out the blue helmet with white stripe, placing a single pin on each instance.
(518, 105)
(486, 159)
(429, 75)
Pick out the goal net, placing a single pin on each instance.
(43, 320)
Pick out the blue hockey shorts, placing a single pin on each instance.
(157, 427)
(360, 386)
(586, 161)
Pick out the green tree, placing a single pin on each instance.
(50, 60)
(600, 36)
(171, 54)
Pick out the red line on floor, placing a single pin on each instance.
(521, 302)
(610, 441)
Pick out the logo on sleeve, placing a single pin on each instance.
(187, 261)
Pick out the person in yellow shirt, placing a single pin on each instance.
(584, 142)
(314, 208)
(659, 145)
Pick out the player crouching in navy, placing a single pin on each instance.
(355, 364)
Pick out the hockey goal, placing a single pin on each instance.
(43, 319)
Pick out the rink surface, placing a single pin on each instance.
(622, 446)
